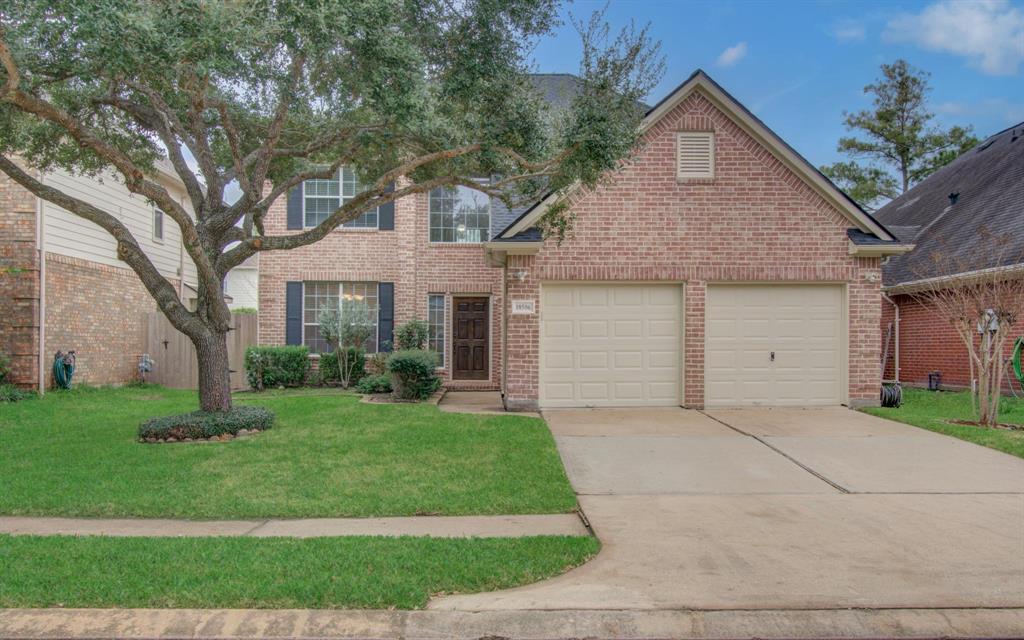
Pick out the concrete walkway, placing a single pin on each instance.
(567, 524)
(781, 510)
(228, 624)
(480, 402)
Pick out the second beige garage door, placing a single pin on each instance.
(774, 345)
(610, 345)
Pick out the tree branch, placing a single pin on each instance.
(128, 248)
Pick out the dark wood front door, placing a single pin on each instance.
(471, 347)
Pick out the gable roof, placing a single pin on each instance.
(989, 183)
(700, 81)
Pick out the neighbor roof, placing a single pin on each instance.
(988, 183)
(699, 80)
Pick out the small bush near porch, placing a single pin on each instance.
(936, 411)
(76, 454)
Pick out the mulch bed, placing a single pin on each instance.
(387, 398)
(224, 437)
(975, 423)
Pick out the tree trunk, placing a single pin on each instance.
(214, 374)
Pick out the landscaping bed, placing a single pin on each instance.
(288, 573)
(201, 425)
(949, 413)
(327, 455)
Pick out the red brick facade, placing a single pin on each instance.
(98, 311)
(403, 256)
(755, 222)
(19, 281)
(929, 343)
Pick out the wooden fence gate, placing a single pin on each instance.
(174, 357)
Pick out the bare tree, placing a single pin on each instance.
(982, 303)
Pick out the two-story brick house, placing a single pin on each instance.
(717, 268)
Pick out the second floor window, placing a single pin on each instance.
(459, 214)
(158, 224)
(322, 197)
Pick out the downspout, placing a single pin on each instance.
(41, 253)
(896, 330)
(504, 327)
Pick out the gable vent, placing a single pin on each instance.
(695, 154)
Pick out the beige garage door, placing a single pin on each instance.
(779, 345)
(610, 345)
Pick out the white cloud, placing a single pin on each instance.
(999, 109)
(732, 55)
(989, 33)
(849, 30)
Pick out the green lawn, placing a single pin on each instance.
(352, 572)
(932, 410)
(75, 454)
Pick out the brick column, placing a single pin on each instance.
(19, 282)
(523, 339)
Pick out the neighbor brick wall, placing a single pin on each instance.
(19, 281)
(403, 256)
(755, 222)
(97, 310)
(929, 343)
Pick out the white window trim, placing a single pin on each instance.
(163, 223)
(474, 243)
(444, 327)
(341, 198)
(700, 135)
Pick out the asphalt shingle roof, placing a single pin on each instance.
(989, 181)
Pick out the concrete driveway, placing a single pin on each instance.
(781, 509)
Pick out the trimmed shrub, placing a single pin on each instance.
(375, 383)
(276, 366)
(202, 424)
(412, 335)
(331, 372)
(5, 368)
(245, 311)
(11, 393)
(414, 374)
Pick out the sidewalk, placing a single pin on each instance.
(562, 524)
(236, 624)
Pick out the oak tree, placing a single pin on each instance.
(265, 94)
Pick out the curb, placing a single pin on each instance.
(239, 624)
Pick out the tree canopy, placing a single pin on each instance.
(900, 144)
(413, 94)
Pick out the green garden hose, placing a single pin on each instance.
(1018, 346)
(63, 369)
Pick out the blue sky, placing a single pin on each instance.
(799, 65)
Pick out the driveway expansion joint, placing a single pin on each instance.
(782, 453)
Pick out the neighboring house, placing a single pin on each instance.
(242, 284)
(953, 213)
(718, 268)
(62, 286)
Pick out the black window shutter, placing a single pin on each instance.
(385, 315)
(386, 213)
(293, 313)
(295, 208)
